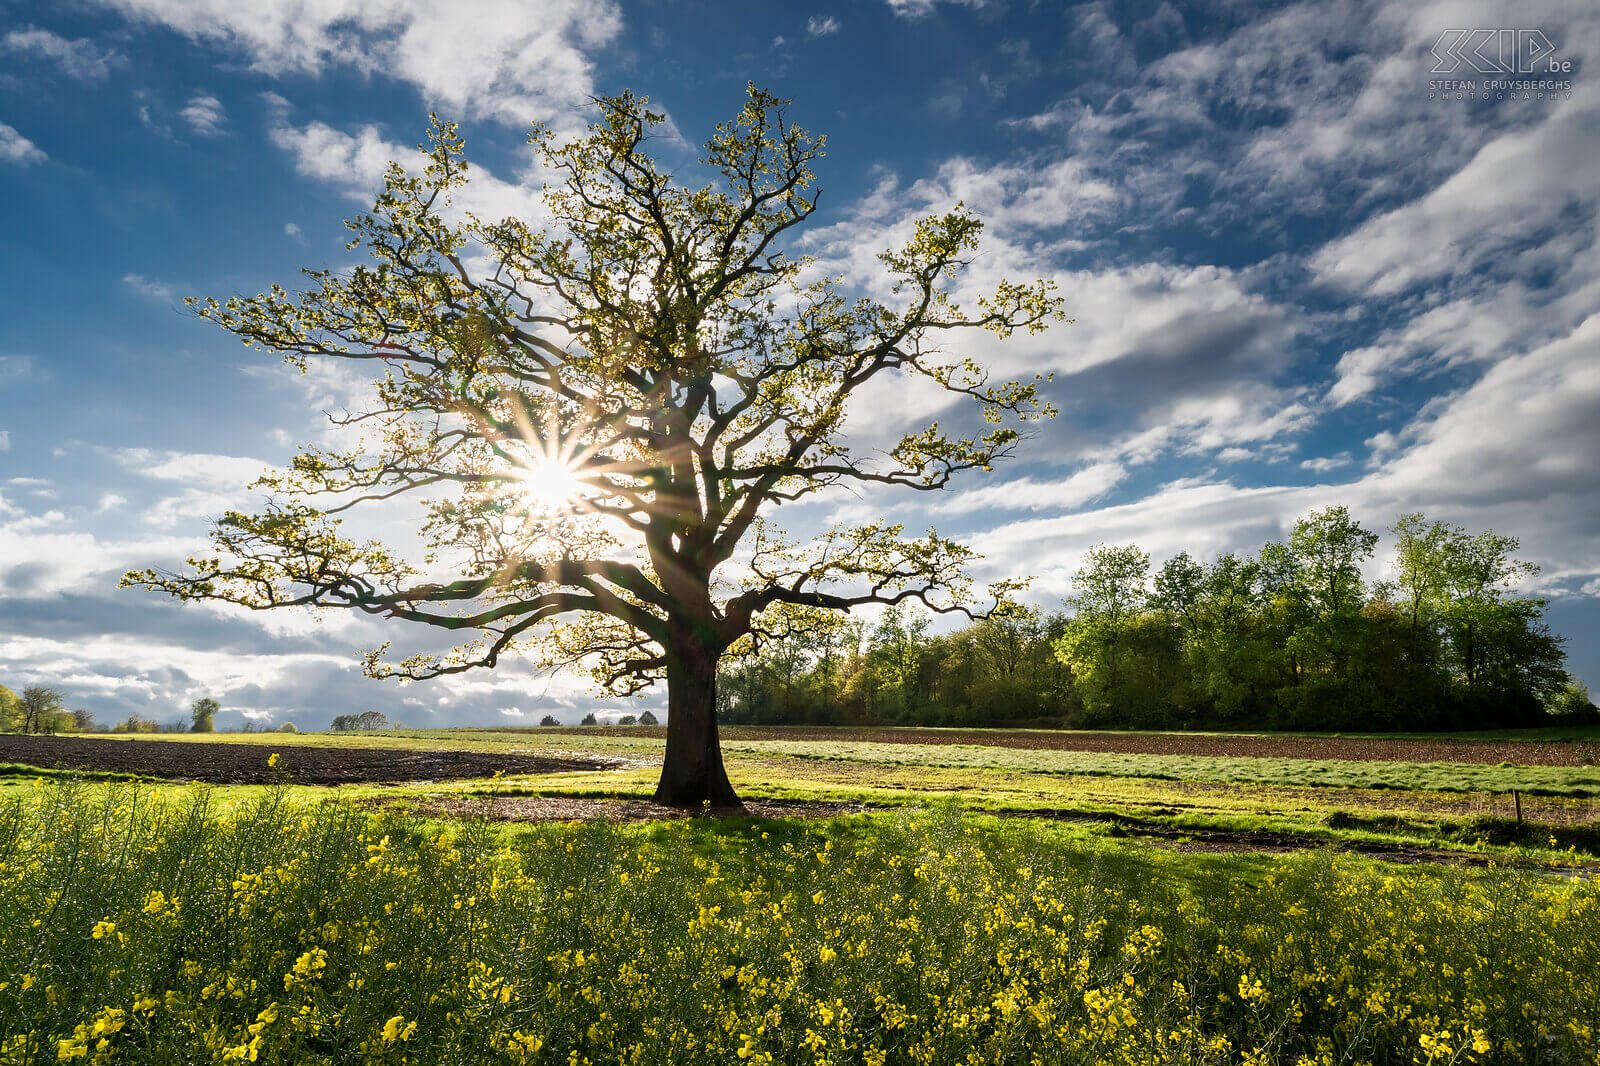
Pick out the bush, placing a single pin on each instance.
(1572, 704)
(288, 727)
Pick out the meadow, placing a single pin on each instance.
(914, 917)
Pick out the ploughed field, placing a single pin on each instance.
(1356, 749)
(224, 763)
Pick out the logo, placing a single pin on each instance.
(1496, 51)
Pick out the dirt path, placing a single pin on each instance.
(223, 763)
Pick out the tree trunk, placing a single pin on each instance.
(692, 773)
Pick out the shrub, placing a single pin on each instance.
(288, 727)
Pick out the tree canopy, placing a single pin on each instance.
(599, 410)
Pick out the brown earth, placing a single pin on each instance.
(1359, 749)
(223, 763)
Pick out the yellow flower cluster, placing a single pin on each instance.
(327, 935)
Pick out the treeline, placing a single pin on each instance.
(41, 709)
(1292, 637)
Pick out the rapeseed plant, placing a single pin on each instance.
(164, 931)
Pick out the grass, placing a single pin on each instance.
(1412, 804)
(1579, 781)
(166, 930)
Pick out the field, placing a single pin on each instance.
(891, 896)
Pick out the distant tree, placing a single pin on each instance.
(83, 722)
(590, 719)
(1110, 592)
(40, 707)
(10, 711)
(1484, 627)
(896, 657)
(549, 719)
(288, 727)
(1329, 549)
(628, 719)
(344, 723)
(372, 720)
(136, 724)
(647, 718)
(1572, 704)
(202, 712)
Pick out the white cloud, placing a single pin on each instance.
(78, 58)
(42, 555)
(1027, 494)
(821, 26)
(5, 440)
(205, 115)
(502, 59)
(153, 290)
(1517, 188)
(1323, 464)
(1526, 431)
(355, 163)
(15, 148)
(922, 8)
(194, 469)
(131, 667)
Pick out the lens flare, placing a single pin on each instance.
(549, 485)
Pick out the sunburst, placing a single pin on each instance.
(549, 485)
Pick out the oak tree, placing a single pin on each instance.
(599, 411)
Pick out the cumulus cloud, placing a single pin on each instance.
(355, 164)
(821, 26)
(500, 59)
(15, 148)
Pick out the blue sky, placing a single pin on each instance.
(1300, 276)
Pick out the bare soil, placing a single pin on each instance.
(1359, 749)
(223, 763)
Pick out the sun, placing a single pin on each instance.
(549, 485)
